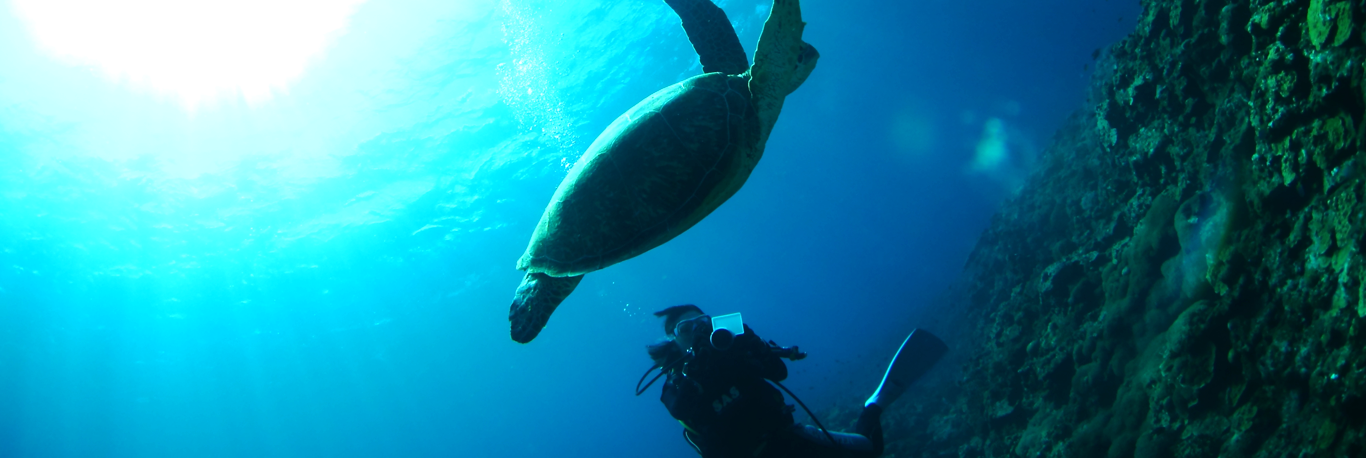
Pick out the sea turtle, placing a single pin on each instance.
(668, 161)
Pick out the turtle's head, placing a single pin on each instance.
(806, 62)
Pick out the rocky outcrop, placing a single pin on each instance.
(1184, 275)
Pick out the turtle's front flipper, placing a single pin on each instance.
(712, 36)
(782, 61)
(536, 299)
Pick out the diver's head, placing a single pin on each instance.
(675, 314)
(679, 322)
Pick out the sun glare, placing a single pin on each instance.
(197, 50)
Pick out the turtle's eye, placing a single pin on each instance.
(808, 53)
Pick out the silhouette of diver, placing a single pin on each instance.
(717, 387)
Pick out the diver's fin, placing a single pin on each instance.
(536, 299)
(917, 354)
(712, 36)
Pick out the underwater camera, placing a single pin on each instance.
(724, 329)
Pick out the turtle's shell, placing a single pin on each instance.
(657, 170)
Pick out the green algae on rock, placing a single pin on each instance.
(1183, 275)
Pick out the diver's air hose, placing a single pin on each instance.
(809, 414)
(662, 370)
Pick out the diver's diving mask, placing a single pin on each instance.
(722, 329)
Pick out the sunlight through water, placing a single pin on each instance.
(196, 50)
(526, 81)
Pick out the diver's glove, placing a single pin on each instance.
(791, 353)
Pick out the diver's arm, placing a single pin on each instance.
(768, 364)
(791, 353)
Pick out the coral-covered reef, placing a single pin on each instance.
(1183, 275)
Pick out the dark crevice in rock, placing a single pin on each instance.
(1060, 382)
(1284, 199)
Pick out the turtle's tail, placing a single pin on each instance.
(536, 299)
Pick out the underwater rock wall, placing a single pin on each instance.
(1183, 276)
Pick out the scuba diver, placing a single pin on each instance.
(718, 387)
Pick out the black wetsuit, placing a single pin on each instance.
(729, 410)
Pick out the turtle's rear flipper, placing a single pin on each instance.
(712, 36)
(917, 354)
(536, 299)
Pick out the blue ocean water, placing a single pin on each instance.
(327, 270)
